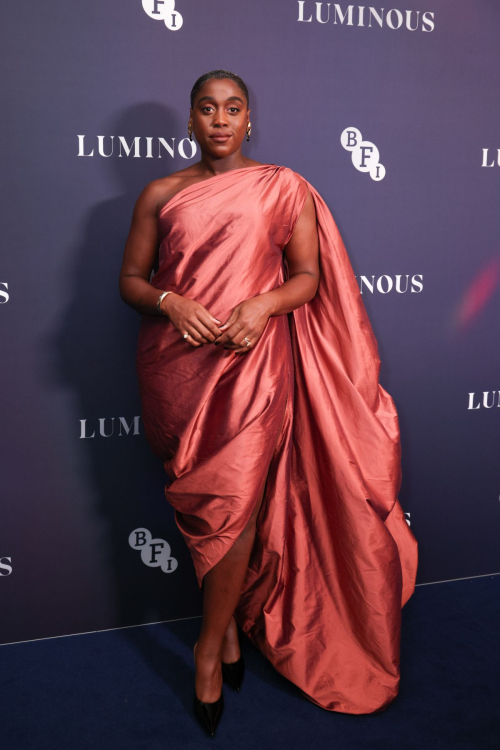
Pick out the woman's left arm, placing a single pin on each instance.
(301, 254)
(249, 318)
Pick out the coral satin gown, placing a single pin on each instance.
(334, 559)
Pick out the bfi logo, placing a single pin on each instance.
(365, 155)
(155, 553)
(163, 10)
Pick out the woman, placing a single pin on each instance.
(258, 374)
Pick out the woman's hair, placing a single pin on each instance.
(219, 74)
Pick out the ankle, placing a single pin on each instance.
(208, 651)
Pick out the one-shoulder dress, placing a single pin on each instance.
(301, 414)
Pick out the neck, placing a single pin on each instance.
(213, 165)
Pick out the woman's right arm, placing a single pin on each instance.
(136, 290)
(139, 256)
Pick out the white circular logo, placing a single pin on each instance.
(163, 10)
(364, 154)
(350, 138)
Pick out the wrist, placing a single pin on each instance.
(270, 302)
(164, 304)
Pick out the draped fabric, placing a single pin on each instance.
(302, 414)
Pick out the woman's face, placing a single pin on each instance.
(219, 117)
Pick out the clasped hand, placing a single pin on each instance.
(247, 319)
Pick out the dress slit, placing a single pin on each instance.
(263, 488)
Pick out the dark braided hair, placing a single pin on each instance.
(219, 74)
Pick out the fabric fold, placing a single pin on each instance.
(334, 559)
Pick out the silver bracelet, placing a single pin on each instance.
(159, 301)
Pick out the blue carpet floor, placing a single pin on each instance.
(131, 689)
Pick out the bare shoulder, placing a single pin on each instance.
(160, 191)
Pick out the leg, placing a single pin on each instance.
(221, 592)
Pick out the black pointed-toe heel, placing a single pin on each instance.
(208, 714)
(233, 673)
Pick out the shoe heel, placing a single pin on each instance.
(233, 673)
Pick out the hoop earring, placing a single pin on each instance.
(249, 130)
(190, 131)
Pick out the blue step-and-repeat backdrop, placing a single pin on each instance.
(392, 113)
